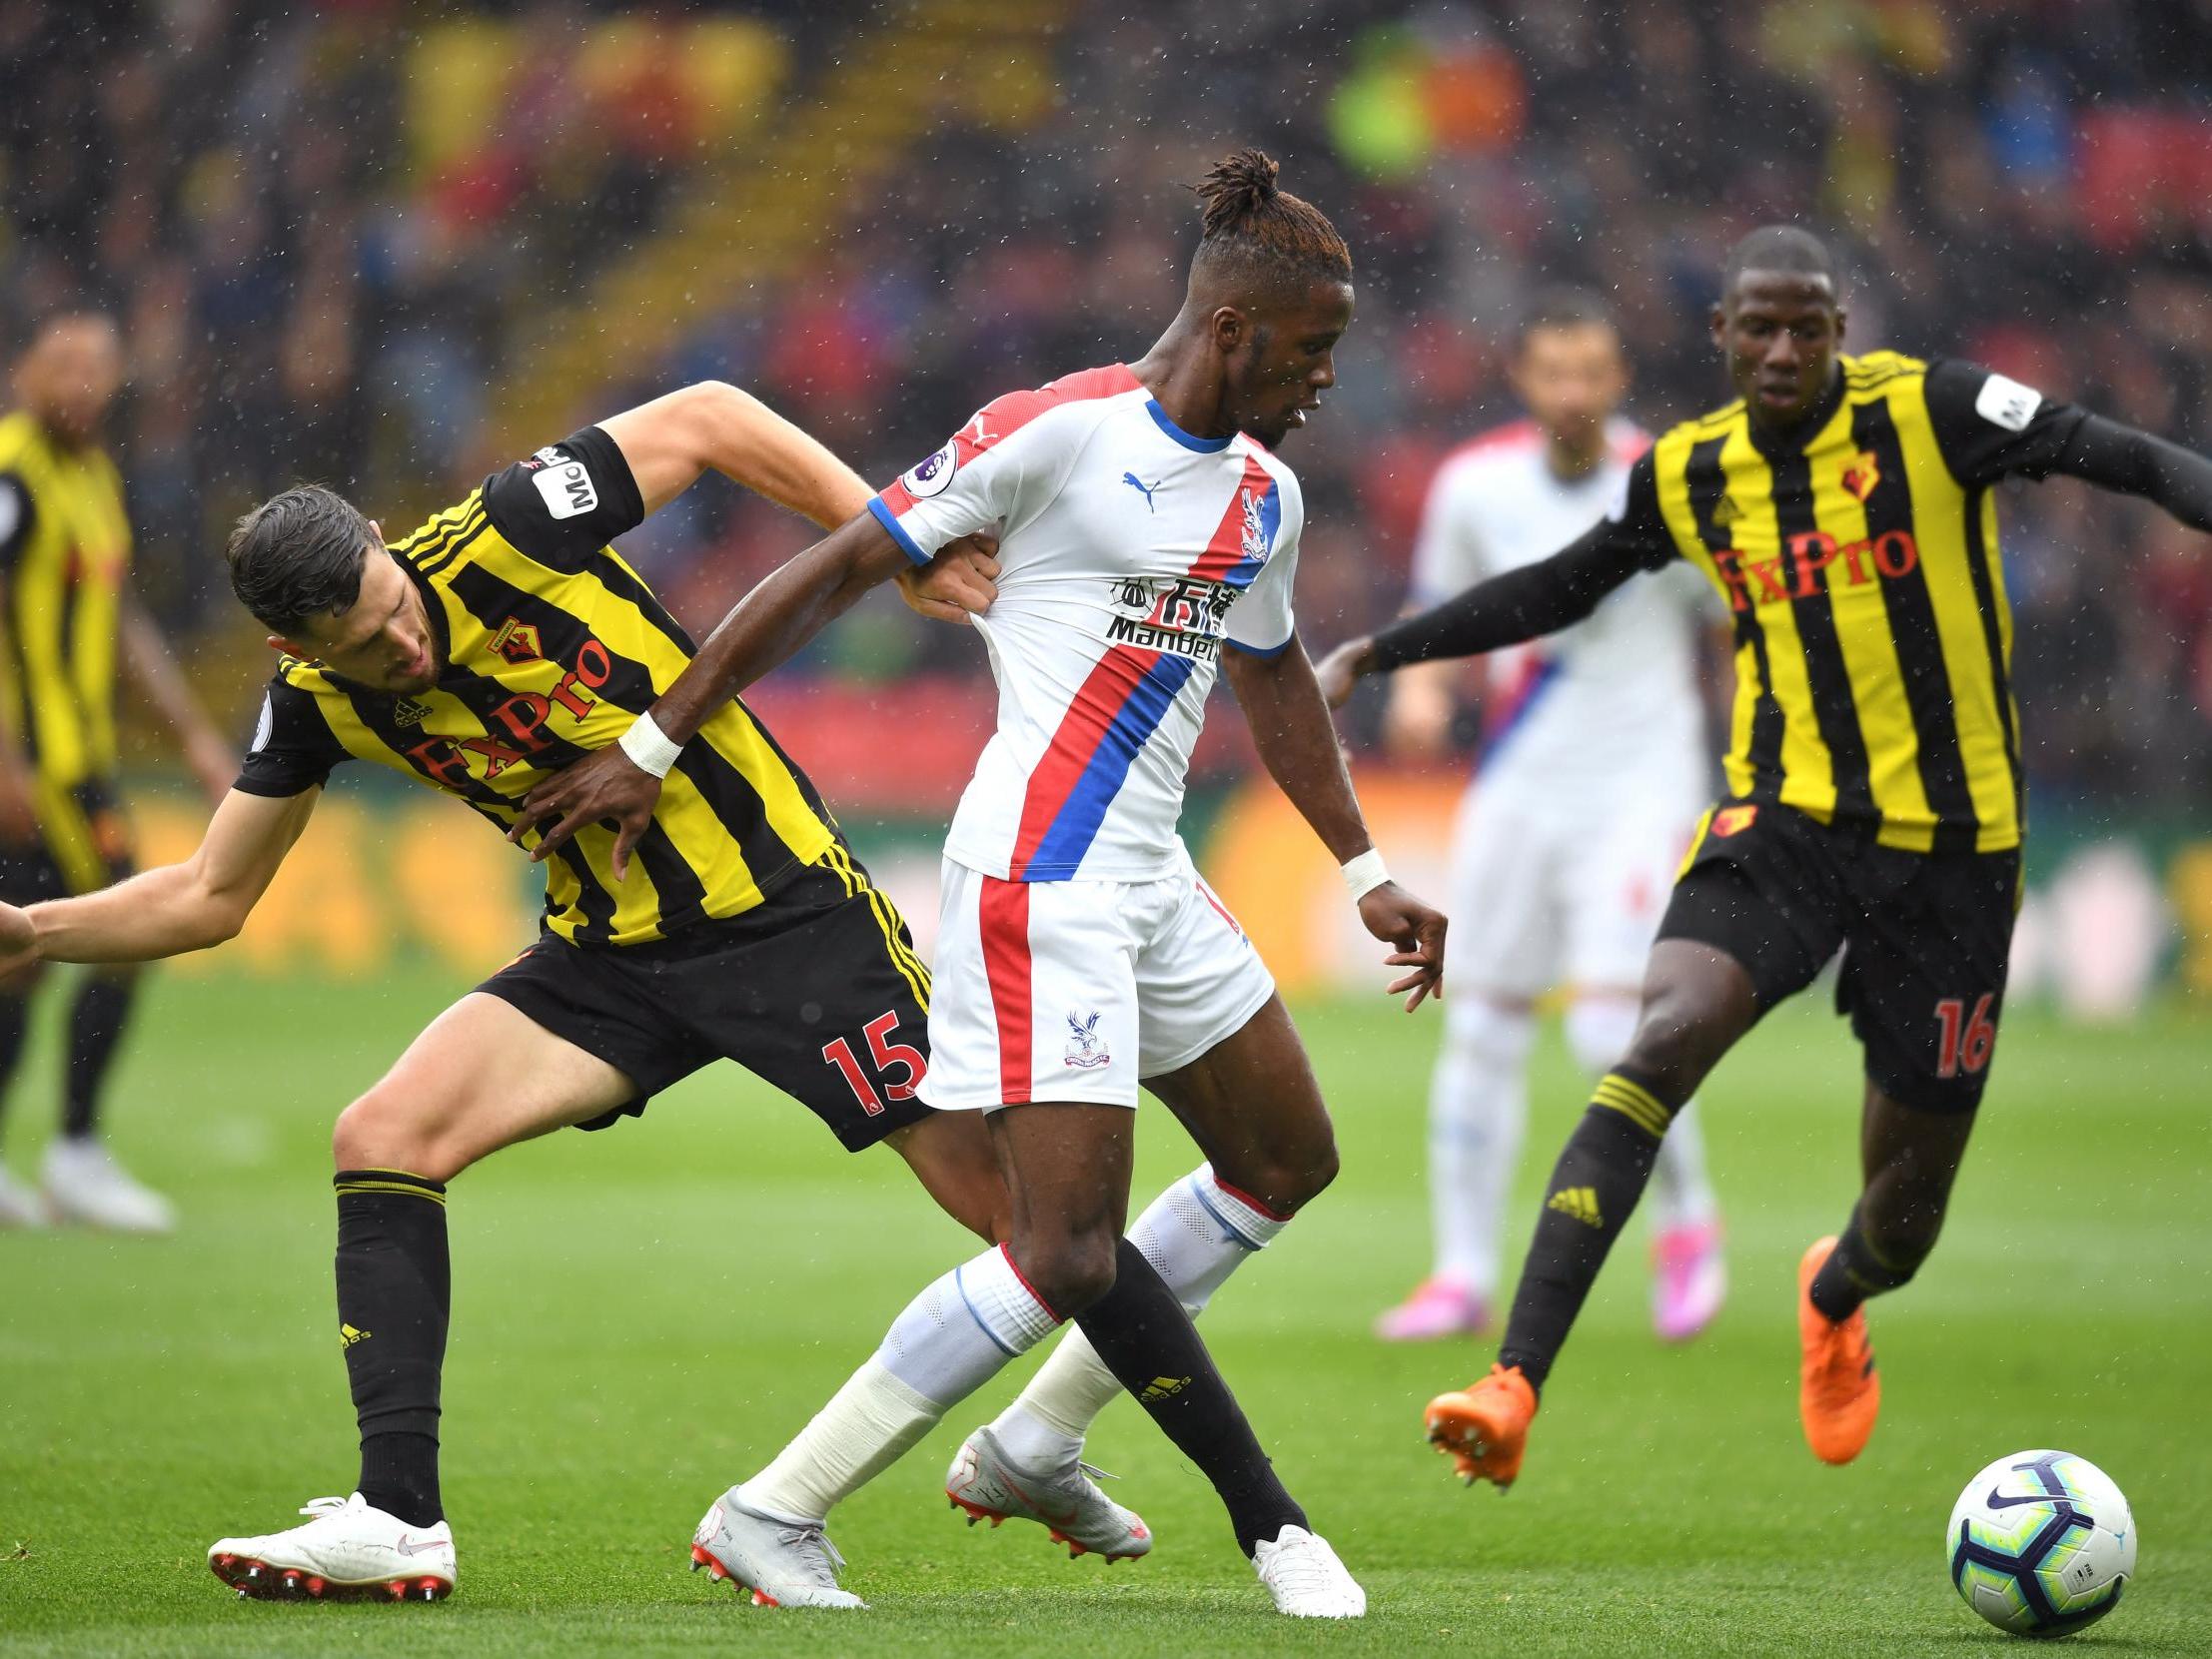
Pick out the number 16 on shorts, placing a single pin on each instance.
(1964, 1039)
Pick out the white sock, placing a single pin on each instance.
(868, 1425)
(1478, 1110)
(1599, 1030)
(949, 1341)
(1196, 1233)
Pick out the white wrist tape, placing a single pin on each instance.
(1362, 875)
(650, 746)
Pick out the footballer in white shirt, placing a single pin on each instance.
(1147, 540)
(1592, 773)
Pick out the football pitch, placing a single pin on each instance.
(643, 1316)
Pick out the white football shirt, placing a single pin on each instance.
(1130, 552)
(1611, 696)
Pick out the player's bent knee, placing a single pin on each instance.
(1676, 1043)
(1069, 1273)
(1318, 1172)
(1284, 1185)
(384, 1131)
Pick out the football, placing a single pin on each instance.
(2041, 1543)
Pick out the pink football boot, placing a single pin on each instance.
(1688, 1280)
(1439, 1308)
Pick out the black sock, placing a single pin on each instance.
(1148, 1341)
(15, 1021)
(96, 1021)
(393, 1299)
(1594, 1189)
(1853, 1273)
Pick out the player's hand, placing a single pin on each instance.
(212, 763)
(605, 784)
(962, 581)
(18, 940)
(1397, 918)
(1340, 669)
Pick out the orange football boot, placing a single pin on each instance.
(1484, 1427)
(1838, 1390)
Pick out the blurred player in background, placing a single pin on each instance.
(1592, 773)
(68, 618)
(1843, 509)
(1149, 540)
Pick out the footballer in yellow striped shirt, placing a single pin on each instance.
(70, 627)
(476, 655)
(1843, 506)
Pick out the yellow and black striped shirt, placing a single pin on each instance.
(65, 554)
(552, 645)
(65, 549)
(1859, 557)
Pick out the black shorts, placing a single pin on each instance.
(1927, 938)
(816, 991)
(83, 846)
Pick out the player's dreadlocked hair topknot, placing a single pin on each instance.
(1256, 229)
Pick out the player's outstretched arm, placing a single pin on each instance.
(177, 908)
(2134, 463)
(671, 442)
(1290, 725)
(1990, 427)
(790, 607)
(1507, 610)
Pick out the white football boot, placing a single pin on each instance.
(347, 1552)
(991, 1486)
(85, 1183)
(784, 1564)
(1306, 1579)
(19, 1205)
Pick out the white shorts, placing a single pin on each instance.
(1075, 989)
(1551, 891)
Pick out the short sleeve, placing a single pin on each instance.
(567, 501)
(293, 750)
(1448, 553)
(1633, 525)
(18, 516)
(1262, 621)
(996, 470)
(1989, 425)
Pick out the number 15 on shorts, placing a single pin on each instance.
(1963, 1040)
(886, 1055)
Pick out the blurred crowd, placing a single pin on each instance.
(2023, 182)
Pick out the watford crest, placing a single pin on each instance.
(517, 642)
(1863, 475)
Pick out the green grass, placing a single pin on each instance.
(643, 1316)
